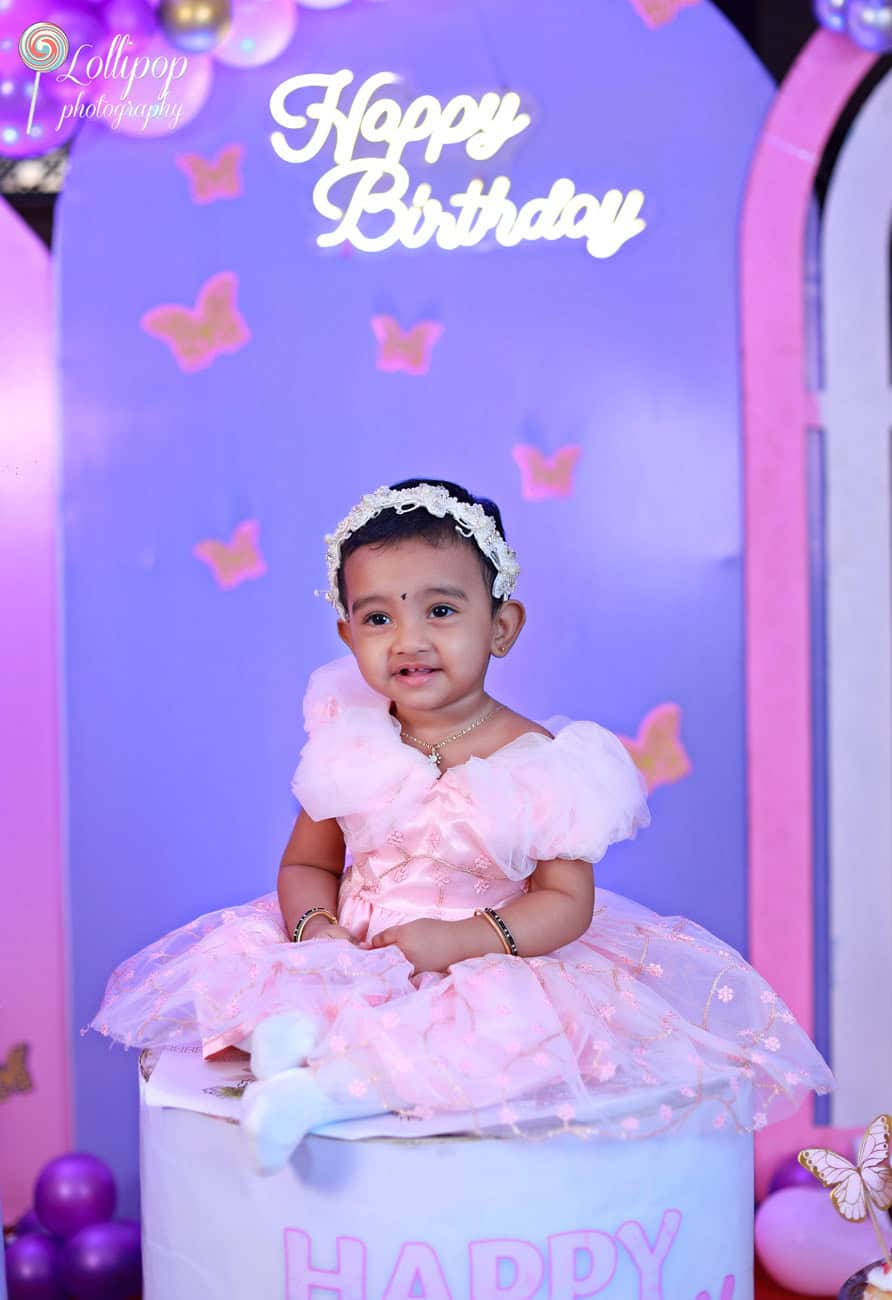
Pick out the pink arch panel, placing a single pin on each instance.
(778, 411)
(35, 1103)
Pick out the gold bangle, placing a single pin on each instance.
(506, 939)
(297, 934)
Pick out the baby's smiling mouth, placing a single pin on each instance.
(415, 670)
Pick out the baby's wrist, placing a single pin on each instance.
(313, 926)
(476, 937)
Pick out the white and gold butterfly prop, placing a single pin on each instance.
(857, 1190)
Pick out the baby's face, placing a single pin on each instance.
(420, 622)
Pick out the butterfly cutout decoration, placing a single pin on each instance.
(545, 476)
(218, 178)
(197, 335)
(234, 561)
(14, 1075)
(657, 12)
(657, 750)
(857, 1190)
(406, 350)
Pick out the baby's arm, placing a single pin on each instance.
(310, 874)
(557, 909)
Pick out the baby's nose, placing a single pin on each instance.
(411, 636)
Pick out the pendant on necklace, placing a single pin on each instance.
(434, 757)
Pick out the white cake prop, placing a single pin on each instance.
(380, 1217)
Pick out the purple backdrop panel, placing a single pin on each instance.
(186, 668)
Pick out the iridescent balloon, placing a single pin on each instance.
(870, 25)
(832, 14)
(261, 31)
(196, 26)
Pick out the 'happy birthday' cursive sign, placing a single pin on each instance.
(381, 182)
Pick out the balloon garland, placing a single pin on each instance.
(105, 38)
(68, 1247)
(867, 22)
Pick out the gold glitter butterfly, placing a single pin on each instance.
(217, 178)
(197, 335)
(657, 749)
(544, 476)
(406, 350)
(238, 559)
(14, 1074)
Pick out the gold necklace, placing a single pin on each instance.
(433, 751)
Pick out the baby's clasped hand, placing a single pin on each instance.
(428, 944)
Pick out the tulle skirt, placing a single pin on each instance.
(646, 1023)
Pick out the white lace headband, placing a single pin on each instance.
(471, 520)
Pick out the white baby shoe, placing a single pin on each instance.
(282, 1042)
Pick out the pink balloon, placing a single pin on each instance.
(806, 1246)
(260, 31)
(134, 108)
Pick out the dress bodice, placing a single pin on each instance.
(466, 838)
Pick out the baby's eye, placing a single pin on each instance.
(376, 620)
(442, 611)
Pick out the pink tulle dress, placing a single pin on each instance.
(642, 1026)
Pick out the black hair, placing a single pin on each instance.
(390, 527)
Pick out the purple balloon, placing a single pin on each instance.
(82, 24)
(832, 14)
(103, 1262)
(131, 17)
(48, 130)
(32, 1269)
(73, 1192)
(870, 25)
(27, 1224)
(790, 1173)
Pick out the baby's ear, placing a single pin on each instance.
(345, 633)
(506, 627)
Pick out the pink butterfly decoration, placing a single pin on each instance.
(197, 335)
(545, 476)
(237, 560)
(409, 350)
(219, 178)
(657, 750)
(657, 12)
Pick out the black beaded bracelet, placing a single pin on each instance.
(298, 931)
(504, 933)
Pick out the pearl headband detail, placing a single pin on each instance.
(471, 520)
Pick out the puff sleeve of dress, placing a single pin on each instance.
(353, 764)
(570, 797)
